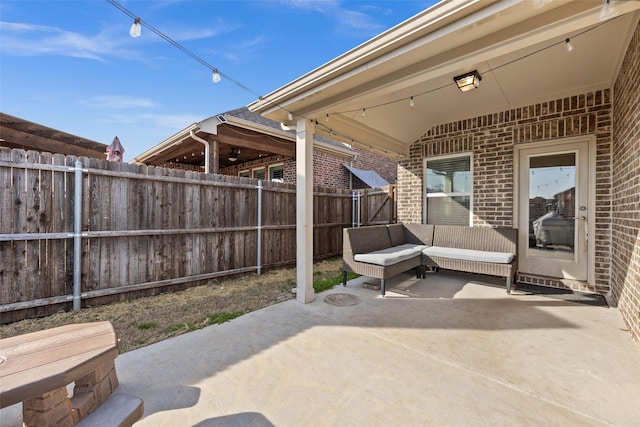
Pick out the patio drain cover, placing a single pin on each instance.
(341, 300)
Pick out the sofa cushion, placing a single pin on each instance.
(469, 254)
(368, 239)
(392, 255)
(396, 234)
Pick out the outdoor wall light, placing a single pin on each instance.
(469, 81)
(135, 29)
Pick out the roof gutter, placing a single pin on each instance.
(176, 139)
(207, 149)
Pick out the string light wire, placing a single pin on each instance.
(542, 49)
(362, 110)
(177, 45)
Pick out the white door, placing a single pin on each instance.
(554, 210)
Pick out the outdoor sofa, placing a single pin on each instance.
(384, 251)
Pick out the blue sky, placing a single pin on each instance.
(72, 66)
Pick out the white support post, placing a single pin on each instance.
(304, 211)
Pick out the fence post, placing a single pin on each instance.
(77, 238)
(259, 229)
(353, 208)
(356, 208)
(392, 203)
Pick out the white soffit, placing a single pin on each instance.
(496, 40)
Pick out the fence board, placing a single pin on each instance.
(143, 227)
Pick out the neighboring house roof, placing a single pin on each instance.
(241, 129)
(518, 47)
(20, 133)
(369, 177)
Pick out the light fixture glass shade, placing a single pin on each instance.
(469, 81)
(216, 76)
(135, 29)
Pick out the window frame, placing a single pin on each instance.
(276, 165)
(427, 195)
(254, 170)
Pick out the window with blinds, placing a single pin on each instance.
(259, 173)
(276, 173)
(448, 190)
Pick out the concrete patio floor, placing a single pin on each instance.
(449, 350)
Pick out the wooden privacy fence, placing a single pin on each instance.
(373, 206)
(78, 229)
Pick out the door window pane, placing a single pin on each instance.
(552, 210)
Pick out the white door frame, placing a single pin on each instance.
(591, 202)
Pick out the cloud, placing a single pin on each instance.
(240, 51)
(347, 19)
(21, 39)
(118, 101)
(171, 121)
(174, 122)
(199, 32)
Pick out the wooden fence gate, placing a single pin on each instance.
(373, 206)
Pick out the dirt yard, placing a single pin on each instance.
(144, 321)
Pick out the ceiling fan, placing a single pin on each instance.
(233, 156)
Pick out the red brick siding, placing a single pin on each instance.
(386, 167)
(625, 213)
(328, 169)
(492, 138)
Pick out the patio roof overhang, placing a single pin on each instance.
(518, 49)
(254, 140)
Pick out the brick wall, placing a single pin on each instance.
(327, 168)
(386, 167)
(492, 138)
(625, 215)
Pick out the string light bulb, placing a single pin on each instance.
(289, 116)
(136, 28)
(609, 9)
(411, 103)
(568, 45)
(216, 76)
(537, 4)
(364, 112)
